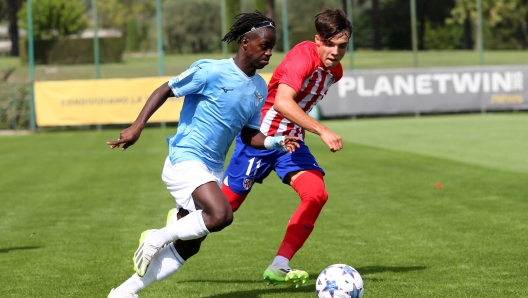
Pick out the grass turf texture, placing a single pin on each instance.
(71, 211)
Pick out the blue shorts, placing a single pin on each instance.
(249, 165)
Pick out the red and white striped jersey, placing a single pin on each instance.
(302, 70)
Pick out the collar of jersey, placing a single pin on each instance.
(240, 70)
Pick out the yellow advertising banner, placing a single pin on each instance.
(108, 101)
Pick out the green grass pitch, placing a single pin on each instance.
(71, 212)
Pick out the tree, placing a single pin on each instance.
(192, 26)
(433, 13)
(270, 9)
(393, 29)
(132, 38)
(12, 7)
(504, 22)
(232, 9)
(3, 10)
(55, 18)
(376, 24)
(461, 14)
(131, 17)
(260, 5)
(301, 18)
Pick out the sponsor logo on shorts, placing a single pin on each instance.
(248, 182)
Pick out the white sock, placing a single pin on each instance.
(188, 227)
(280, 260)
(129, 286)
(165, 263)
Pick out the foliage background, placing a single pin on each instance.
(194, 27)
(380, 24)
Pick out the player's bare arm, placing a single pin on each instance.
(130, 135)
(285, 105)
(256, 139)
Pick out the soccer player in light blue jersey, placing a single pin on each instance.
(222, 98)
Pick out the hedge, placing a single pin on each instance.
(74, 51)
(14, 106)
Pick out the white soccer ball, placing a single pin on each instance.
(339, 281)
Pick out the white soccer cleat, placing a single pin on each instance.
(115, 294)
(145, 252)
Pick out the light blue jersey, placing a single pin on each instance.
(220, 100)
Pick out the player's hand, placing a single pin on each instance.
(127, 138)
(290, 143)
(332, 140)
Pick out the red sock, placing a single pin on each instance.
(311, 189)
(235, 200)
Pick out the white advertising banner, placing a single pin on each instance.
(428, 90)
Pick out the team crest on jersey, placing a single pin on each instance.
(248, 182)
(331, 81)
(259, 97)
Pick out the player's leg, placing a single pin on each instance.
(189, 182)
(189, 248)
(310, 187)
(300, 170)
(165, 263)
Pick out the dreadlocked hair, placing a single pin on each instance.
(244, 23)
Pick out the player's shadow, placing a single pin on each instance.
(256, 293)
(308, 288)
(8, 249)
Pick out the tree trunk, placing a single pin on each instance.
(468, 45)
(376, 24)
(270, 9)
(344, 5)
(12, 9)
(421, 30)
(233, 9)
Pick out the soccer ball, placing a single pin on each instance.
(339, 281)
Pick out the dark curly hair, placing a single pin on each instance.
(245, 22)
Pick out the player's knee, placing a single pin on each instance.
(219, 218)
(227, 218)
(311, 188)
(322, 196)
(318, 197)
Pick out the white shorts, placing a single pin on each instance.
(182, 178)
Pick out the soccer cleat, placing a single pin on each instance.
(172, 216)
(145, 252)
(115, 294)
(284, 275)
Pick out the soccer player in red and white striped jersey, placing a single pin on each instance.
(298, 83)
(303, 71)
